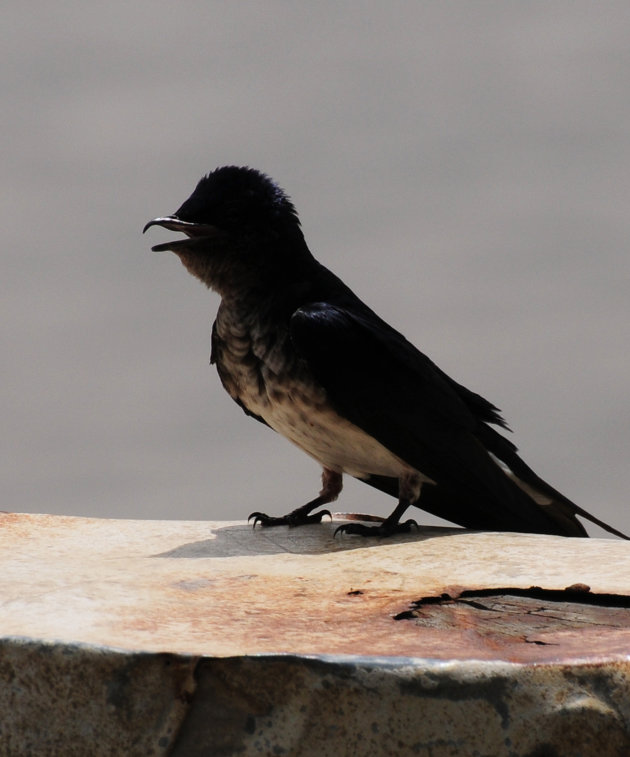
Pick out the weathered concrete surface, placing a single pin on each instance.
(151, 638)
(79, 701)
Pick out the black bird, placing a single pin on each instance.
(300, 352)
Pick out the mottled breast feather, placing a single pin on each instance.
(262, 372)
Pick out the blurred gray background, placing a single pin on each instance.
(464, 166)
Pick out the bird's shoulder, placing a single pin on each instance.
(347, 345)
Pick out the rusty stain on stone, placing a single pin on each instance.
(287, 640)
(504, 618)
(224, 589)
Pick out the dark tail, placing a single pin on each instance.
(471, 510)
(530, 498)
(558, 507)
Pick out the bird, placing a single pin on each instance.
(298, 351)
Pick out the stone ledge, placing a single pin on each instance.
(190, 638)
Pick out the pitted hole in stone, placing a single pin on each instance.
(522, 614)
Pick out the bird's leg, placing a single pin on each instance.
(408, 493)
(332, 483)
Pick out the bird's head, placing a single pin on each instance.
(241, 229)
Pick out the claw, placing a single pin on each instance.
(319, 515)
(257, 518)
(384, 529)
(292, 519)
(267, 520)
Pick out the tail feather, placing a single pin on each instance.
(558, 507)
(469, 509)
(528, 494)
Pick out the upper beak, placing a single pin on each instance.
(187, 227)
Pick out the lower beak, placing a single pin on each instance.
(195, 232)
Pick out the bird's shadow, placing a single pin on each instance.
(241, 540)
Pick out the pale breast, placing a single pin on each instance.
(332, 440)
(260, 370)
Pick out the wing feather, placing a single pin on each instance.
(380, 382)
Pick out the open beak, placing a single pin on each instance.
(196, 232)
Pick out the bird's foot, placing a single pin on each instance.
(295, 518)
(384, 529)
